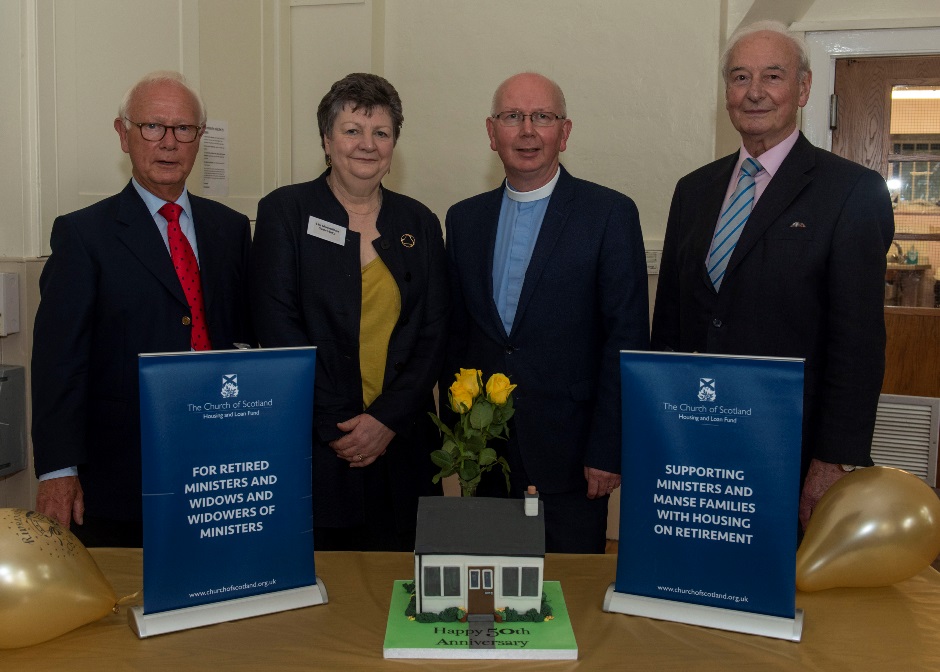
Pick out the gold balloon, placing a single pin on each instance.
(49, 584)
(874, 527)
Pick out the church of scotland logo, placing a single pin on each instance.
(229, 385)
(706, 389)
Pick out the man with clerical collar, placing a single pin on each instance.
(779, 250)
(548, 283)
(151, 269)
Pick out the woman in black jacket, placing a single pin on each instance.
(358, 271)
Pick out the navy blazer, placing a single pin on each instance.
(805, 280)
(308, 291)
(109, 292)
(584, 298)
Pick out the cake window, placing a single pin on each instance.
(530, 581)
(520, 581)
(487, 579)
(432, 581)
(451, 581)
(441, 581)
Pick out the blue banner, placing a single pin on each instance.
(711, 469)
(226, 452)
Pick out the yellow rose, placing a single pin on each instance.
(460, 398)
(498, 389)
(465, 389)
(469, 379)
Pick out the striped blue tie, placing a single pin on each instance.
(732, 221)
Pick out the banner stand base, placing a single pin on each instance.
(147, 625)
(709, 617)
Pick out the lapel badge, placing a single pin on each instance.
(408, 240)
(798, 225)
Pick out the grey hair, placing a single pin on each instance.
(558, 93)
(798, 43)
(161, 77)
(360, 91)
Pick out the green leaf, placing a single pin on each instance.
(487, 456)
(469, 471)
(508, 413)
(442, 458)
(436, 479)
(505, 466)
(481, 414)
(441, 426)
(475, 444)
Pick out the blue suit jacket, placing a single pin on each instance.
(109, 292)
(805, 280)
(583, 300)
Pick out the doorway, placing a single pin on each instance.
(480, 591)
(888, 118)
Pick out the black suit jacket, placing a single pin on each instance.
(583, 300)
(308, 291)
(805, 280)
(109, 292)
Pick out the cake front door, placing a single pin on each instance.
(480, 590)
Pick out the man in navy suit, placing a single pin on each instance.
(548, 282)
(806, 277)
(109, 292)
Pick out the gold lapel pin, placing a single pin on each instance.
(408, 240)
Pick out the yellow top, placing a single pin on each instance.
(381, 307)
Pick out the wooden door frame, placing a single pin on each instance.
(826, 46)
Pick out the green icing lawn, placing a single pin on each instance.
(555, 634)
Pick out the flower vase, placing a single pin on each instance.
(467, 490)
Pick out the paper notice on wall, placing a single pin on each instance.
(215, 158)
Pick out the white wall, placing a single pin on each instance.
(13, 144)
(636, 129)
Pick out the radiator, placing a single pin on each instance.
(906, 433)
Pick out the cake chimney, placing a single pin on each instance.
(532, 502)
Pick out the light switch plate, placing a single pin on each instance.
(9, 303)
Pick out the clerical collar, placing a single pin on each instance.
(536, 194)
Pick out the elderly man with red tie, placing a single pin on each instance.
(151, 269)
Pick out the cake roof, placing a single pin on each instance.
(478, 526)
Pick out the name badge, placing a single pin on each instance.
(333, 233)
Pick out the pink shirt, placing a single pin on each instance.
(770, 162)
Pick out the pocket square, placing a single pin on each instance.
(798, 225)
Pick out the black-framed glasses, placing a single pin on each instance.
(517, 118)
(152, 131)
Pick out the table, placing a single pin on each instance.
(893, 628)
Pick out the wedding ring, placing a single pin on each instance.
(359, 457)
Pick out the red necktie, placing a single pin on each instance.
(188, 271)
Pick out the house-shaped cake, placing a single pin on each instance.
(479, 553)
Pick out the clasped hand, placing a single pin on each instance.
(364, 442)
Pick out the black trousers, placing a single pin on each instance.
(104, 532)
